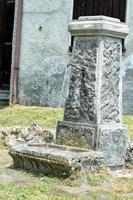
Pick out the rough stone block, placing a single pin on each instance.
(55, 159)
(76, 134)
(112, 142)
(129, 153)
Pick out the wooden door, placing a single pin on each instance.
(6, 32)
(111, 8)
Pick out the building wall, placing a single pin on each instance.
(44, 51)
(44, 54)
(128, 63)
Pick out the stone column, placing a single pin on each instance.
(93, 110)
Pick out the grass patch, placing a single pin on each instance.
(45, 190)
(25, 116)
(129, 121)
(2, 169)
(123, 188)
(36, 192)
(125, 180)
(46, 117)
(95, 179)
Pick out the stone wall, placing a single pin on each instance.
(128, 64)
(44, 51)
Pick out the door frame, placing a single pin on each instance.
(1, 41)
(16, 51)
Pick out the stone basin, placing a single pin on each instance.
(52, 159)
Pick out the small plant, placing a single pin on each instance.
(95, 179)
(123, 188)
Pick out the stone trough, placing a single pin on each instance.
(54, 159)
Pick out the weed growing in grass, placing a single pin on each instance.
(95, 179)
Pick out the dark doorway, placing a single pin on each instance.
(111, 8)
(7, 8)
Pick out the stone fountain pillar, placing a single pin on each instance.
(93, 110)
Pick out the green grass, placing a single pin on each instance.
(129, 121)
(46, 191)
(36, 192)
(95, 179)
(25, 116)
(47, 117)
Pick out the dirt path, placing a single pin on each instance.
(10, 175)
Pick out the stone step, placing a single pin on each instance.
(4, 97)
(57, 160)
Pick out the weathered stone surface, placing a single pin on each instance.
(54, 159)
(110, 100)
(94, 57)
(16, 135)
(95, 92)
(112, 142)
(76, 134)
(129, 153)
(81, 104)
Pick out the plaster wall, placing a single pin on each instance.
(44, 51)
(44, 54)
(128, 64)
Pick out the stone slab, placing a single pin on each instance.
(129, 153)
(54, 160)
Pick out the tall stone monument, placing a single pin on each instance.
(93, 110)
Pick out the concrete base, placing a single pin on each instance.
(109, 139)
